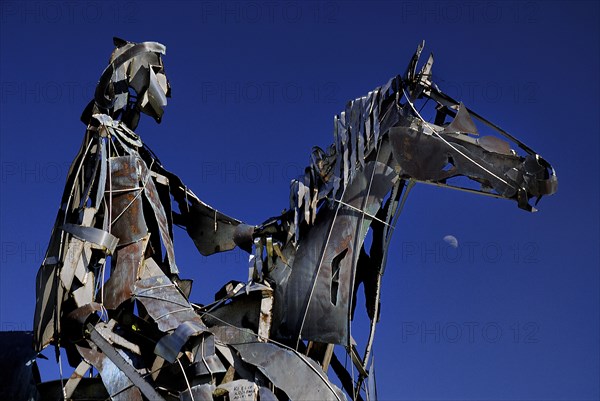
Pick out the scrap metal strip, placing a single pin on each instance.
(102, 238)
(129, 371)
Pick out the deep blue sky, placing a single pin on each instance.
(513, 314)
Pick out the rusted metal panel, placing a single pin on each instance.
(128, 260)
(128, 223)
(266, 314)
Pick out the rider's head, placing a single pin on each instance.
(134, 82)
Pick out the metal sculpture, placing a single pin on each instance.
(109, 291)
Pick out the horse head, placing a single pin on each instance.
(451, 146)
(382, 144)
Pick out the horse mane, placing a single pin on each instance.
(357, 132)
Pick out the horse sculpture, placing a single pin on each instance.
(273, 337)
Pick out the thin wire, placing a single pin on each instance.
(349, 351)
(129, 204)
(469, 190)
(109, 193)
(109, 207)
(363, 212)
(114, 145)
(175, 311)
(164, 300)
(424, 104)
(155, 287)
(100, 278)
(186, 380)
(126, 190)
(62, 381)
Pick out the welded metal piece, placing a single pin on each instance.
(124, 366)
(119, 286)
(235, 362)
(211, 230)
(164, 302)
(85, 294)
(75, 378)
(161, 218)
(116, 382)
(209, 365)
(298, 376)
(67, 273)
(82, 314)
(462, 123)
(106, 330)
(101, 238)
(204, 353)
(169, 346)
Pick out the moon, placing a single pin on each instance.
(451, 240)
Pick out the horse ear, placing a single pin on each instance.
(118, 42)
